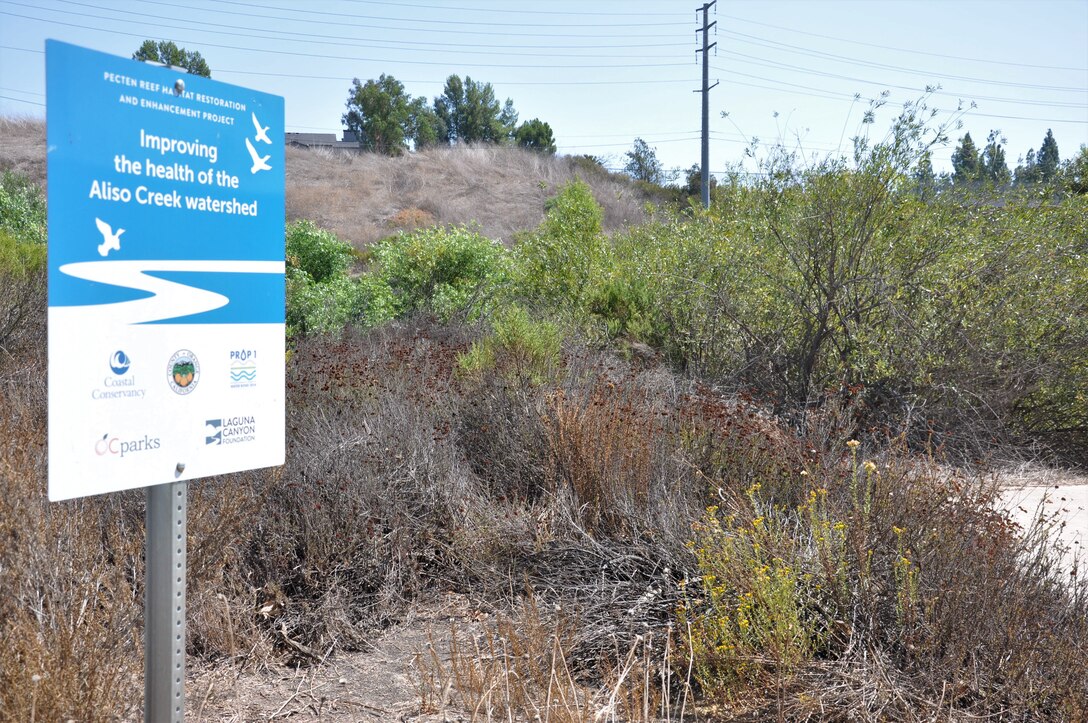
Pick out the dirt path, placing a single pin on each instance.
(1059, 496)
(379, 684)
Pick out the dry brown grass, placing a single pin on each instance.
(363, 197)
(522, 667)
(22, 147)
(69, 634)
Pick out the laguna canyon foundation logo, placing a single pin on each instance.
(183, 371)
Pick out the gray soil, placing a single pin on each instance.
(378, 684)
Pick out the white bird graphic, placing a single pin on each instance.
(110, 241)
(260, 163)
(262, 133)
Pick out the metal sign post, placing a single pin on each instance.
(164, 604)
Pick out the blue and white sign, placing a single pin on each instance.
(166, 274)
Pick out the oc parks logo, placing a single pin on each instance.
(183, 371)
(119, 447)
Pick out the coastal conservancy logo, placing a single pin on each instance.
(183, 371)
(119, 363)
(110, 445)
(121, 384)
(243, 368)
(229, 430)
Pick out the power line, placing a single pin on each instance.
(505, 10)
(386, 27)
(844, 95)
(356, 59)
(26, 92)
(325, 39)
(24, 50)
(666, 81)
(20, 100)
(786, 66)
(883, 66)
(424, 20)
(348, 79)
(912, 51)
(1082, 122)
(628, 145)
(414, 44)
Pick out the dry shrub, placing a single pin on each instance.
(411, 219)
(23, 150)
(995, 617)
(69, 572)
(500, 429)
(602, 449)
(640, 450)
(72, 575)
(519, 668)
(356, 522)
(223, 513)
(22, 311)
(908, 583)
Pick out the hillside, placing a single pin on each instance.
(364, 197)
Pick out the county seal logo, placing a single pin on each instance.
(183, 371)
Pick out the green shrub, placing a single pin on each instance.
(22, 256)
(22, 208)
(316, 252)
(321, 297)
(327, 307)
(835, 280)
(18, 258)
(519, 346)
(754, 619)
(623, 304)
(443, 271)
(557, 261)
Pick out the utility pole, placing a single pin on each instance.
(704, 166)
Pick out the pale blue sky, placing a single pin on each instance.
(603, 72)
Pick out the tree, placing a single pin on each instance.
(470, 113)
(535, 135)
(1075, 172)
(379, 113)
(386, 119)
(167, 53)
(924, 177)
(965, 163)
(1048, 158)
(1027, 173)
(426, 127)
(508, 120)
(693, 178)
(642, 164)
(992, 166)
